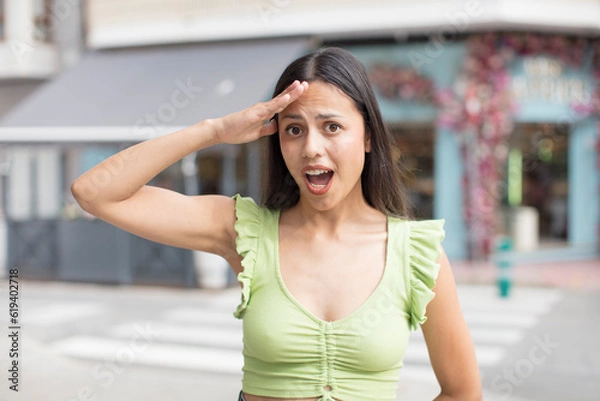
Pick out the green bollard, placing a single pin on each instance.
(504, 263)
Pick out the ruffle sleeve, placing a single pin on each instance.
(246, 226)
(424, 252)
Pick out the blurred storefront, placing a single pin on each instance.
(500, 130)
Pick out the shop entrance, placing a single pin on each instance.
(417, 146)
(537, 179)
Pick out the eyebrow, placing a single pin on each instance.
(319, 116)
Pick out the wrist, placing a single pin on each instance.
(208, 130)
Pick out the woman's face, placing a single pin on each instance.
(323, 143)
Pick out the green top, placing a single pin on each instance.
(290, 353)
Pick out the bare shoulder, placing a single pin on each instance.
(218, 211)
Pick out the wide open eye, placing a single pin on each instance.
(333, 128)
(293, 130)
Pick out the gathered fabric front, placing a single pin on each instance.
(290, 353)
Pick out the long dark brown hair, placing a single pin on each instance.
(382, 173)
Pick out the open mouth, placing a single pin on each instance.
(318, 180)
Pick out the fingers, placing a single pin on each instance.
(298, 91)
(294, 87)
(268, 129)
(266, 110)
(289, 95)
(295, 90)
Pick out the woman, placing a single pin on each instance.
(333, 275)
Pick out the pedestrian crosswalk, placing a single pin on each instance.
(496, 324)
(158, 354)
(206, 338)
(209, 338)
(51, 314)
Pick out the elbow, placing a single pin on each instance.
(473, 395)
(85, 193)
(467, 392)
(477, 397)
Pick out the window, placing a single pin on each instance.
(34, 183)
(537, 176)
(43, 19)
(417, 143)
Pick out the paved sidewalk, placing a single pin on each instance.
(577, 275)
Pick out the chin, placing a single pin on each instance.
(325, 202)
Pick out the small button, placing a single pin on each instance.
(327, 387)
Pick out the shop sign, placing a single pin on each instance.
(543, 78)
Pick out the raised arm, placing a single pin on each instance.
(449, 343)
(116, 191)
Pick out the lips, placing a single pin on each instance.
(318, 179)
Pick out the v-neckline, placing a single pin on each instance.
(299, 305)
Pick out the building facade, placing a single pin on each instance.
(493, 105)
(513, 152)
(37, 41)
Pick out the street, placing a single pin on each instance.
(90, 342)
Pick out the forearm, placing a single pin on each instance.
(470, 396)
(123, 174)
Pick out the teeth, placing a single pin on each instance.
(316, 172)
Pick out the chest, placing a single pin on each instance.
(354, 322)
(332, 279)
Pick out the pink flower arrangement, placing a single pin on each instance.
(480, 109)
(401, 83)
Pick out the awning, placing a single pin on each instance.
(134, 94)
(14, 91)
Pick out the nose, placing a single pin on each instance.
(313, 144)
